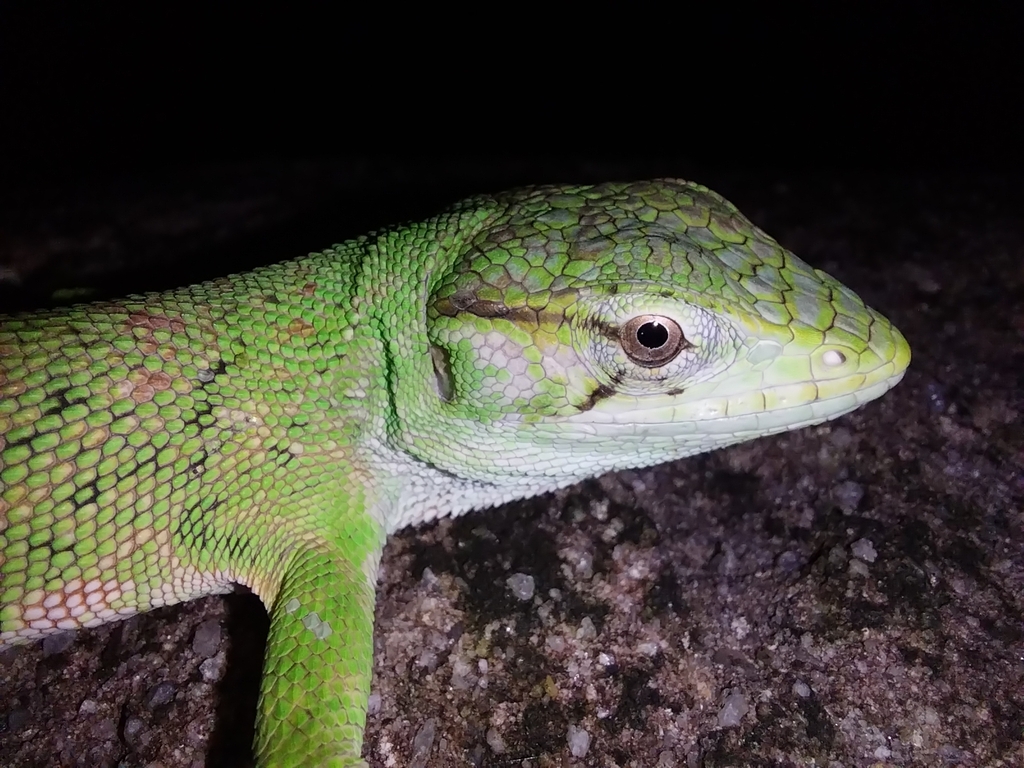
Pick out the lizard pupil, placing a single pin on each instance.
(652, 335)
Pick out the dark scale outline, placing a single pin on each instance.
(602, 391)
(191, 527)
(93, 492)
(62, 401)
(196, 466)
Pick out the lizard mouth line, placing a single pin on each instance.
(710, 411)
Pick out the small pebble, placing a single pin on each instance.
(212, 670)
(422, 743)
(789, 561)
(88, 707)
(133, 728)
(160, 694)
(848, 495)
(207, 638)
(522, 585)
(864, 550)
(54, 644)
(373, 704)
(733, 709)
(859, 568)
(587, 631)
(18, 719)
(579, 741)
(495, 742)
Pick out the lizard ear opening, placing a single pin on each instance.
(442, 372)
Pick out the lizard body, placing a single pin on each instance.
(271, 428)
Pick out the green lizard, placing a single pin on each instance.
(271, 428)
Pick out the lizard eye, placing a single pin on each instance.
(652, 340)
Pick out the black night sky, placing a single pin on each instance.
(99, 92)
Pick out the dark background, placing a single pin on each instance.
(101, 91)
(295, 129)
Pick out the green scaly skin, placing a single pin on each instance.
(271, 428)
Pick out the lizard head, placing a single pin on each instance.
(588, 328)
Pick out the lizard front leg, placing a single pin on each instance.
(319, 656)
